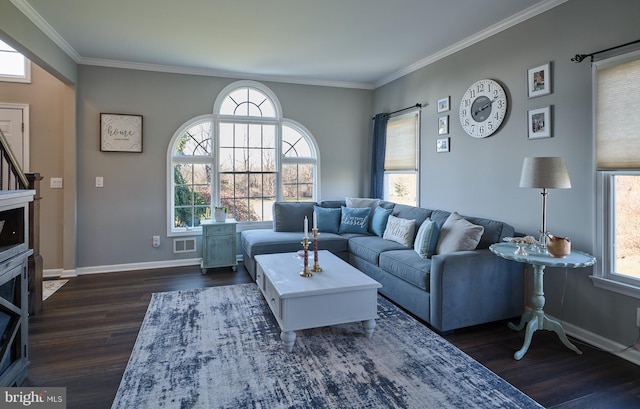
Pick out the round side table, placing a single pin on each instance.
(536, 319)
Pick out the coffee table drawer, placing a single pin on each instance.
(273, 299)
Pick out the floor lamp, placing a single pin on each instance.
(544, 173)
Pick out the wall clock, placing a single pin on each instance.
(483, 108)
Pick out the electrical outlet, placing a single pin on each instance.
(155, 241)
(638, 317)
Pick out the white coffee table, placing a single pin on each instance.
(338, 294)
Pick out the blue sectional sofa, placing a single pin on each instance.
(451, 290)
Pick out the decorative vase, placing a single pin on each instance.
(558, 246)
(220, 214)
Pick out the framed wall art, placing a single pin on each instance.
(443, 125)
(120, 133)
(443, 104)
(539, 123)
(442, 145)
(539, 81)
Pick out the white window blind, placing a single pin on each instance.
(618, 114)
(401, 146)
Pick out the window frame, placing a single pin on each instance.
(26, 78)
(216, 121)
(604, 275)
(387, 188)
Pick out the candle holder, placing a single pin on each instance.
(305, 270)
(316, 267)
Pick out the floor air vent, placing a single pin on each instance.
(184, 245)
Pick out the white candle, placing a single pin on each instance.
(306, 227)
(315, 220)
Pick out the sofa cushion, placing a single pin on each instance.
(265, 241)
(328, 219)
(411, 212)
(379, 220)
(354, 220)
(458, 234)
(289, 216)
(408, 266)
(400, 230)
(427, 239)
(361, 202)
(494, 231)
(369, 248)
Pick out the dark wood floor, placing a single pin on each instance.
(83, 338)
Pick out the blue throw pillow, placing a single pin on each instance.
(426, 239)
(379, 220)
(328, 219)
(354, 220)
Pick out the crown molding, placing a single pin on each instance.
(37, 19)
(219, 73)
(532, 11)
(469, 41)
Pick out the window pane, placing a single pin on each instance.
(192, 194)
(294, 145)
(248, 102)
(627, 225)
(401, 188)
(195, 141)
(297, 182)
(12, 63)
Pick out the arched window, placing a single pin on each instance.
(244, 156)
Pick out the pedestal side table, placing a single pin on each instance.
(536, 319)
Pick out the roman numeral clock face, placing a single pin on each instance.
(483, 108)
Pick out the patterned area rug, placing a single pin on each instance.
(220, 348)
(51, 286)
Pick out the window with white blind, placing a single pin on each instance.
(617, 137)
(401, 159)
(14, 67)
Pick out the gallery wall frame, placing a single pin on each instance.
(539, 80)
(444, 104)
(443, 125)
(442, 145)
(539, 123)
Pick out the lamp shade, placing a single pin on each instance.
(545, 172)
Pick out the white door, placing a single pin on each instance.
(11, 124)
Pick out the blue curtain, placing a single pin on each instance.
(377, 160)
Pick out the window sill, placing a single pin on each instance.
(616, 286)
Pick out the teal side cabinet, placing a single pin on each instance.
(218, 244)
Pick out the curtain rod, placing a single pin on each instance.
(403, 109)
(580, 57)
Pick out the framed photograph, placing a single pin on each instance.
(442, 145)
(443, 125)
(539, 81)
(120, 133)
(443, 104)
(539, 122)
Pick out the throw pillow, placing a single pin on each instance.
(354, 220)
(360, 202)
(400, 230)
(427, 239)
(379, 220)
(458, 234)
(328, 219)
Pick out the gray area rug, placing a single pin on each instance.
(220, 348)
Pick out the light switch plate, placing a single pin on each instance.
(55, 183)
(99, 181)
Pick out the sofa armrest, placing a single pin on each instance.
(474, 287)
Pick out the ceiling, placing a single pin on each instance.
(349, 43)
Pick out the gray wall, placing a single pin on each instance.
(116, 222)
(480, 176)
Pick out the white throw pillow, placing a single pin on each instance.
(400, 230)
(458, 234)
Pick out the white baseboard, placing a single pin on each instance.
(630, 354)
(58, 273)
(115, 268)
